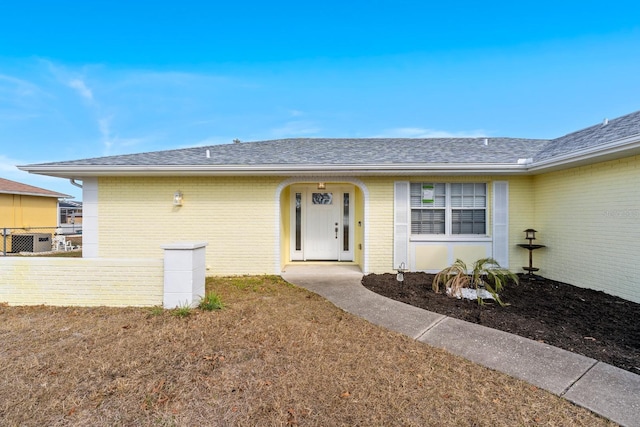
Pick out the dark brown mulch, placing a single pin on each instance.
(583, 321)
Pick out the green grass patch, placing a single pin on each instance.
(210, 302)
(182, 311)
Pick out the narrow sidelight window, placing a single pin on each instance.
(298, 221)
(345, 223)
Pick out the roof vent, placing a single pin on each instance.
(486, 141)
(605, 122)
(208, 152)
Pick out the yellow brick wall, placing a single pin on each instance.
(285, 226)
(28, 211)
(577, 212)
(589, 217)
(81, 282)
(380, 226)
(521, 217)
(236, 216)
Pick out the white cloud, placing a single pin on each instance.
(104, 126)
(82, 89)
(20, 99)
(111, 141)
(17, 87)
(410, 132)
(70, 77)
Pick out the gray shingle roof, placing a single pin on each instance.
(593, 137)
(323, 153)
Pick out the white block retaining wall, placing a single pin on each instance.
(177, 280)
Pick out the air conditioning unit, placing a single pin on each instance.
(37, 242)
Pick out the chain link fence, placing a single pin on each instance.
(35, 240)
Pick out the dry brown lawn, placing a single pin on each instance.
(276, 355)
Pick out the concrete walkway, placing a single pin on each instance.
(604, 389)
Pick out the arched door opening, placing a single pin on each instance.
(322, 222)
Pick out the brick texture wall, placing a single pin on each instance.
(589, 218)
(236, 216)
(81, 282)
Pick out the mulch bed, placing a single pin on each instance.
(584, 321)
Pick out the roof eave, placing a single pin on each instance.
(78, 172)
(26, 193)
(625, 147)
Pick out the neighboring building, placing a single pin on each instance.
(26, 206)
(70, 216)
(29, 211)
(378, 203)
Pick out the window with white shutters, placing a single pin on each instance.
(448, 208)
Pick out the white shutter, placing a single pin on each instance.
(401, 224)
(501, 223)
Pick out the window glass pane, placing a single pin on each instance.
(468, 221)
(468, 189)
(415, 193)
(468, 195)
(468, 202)
(345, 222)
(427, 221)
(440, 195)
(322, 198)
(298, 221)
(428, 195)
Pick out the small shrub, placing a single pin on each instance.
(486, 274)
(211, 302)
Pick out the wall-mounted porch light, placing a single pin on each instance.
(177, 198)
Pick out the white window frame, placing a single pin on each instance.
(448, 213)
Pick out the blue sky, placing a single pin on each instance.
(85, 79)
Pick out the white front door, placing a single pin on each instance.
(322, 223)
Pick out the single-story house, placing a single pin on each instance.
(27, 209)
(25, 206)
(379, 203)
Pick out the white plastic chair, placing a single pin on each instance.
(61, 243)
